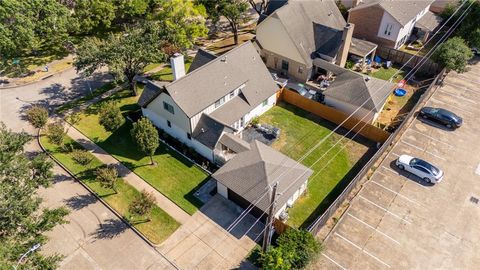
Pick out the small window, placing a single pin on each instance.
(168, 107)
(169, 124)
(388, 29)
(232, 94)
(300, 70)
(219, 102)
(189, 136)
(265, 103)
(284, 65)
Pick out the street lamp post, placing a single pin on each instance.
(32, 249)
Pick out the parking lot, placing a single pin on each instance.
(397, 220)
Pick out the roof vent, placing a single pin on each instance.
(224, 59)
(202, 130)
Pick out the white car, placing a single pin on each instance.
(420, 168)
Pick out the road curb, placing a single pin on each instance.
(36, 81)
(143, 237)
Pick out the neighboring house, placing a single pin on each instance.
(392, 23)
(253, 171)
(293, 33)
(439, 5)
(354, 93)
(219, 95)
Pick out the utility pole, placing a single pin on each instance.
(268, 225)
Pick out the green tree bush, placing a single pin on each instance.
(453, 54)
(81, 157)
(37, 116)
(111, 117)
(146, 137)
(142, 204)
(56, 134)
(107, 176)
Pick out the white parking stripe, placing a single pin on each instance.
(333, 261)
(388, 169)
(477, 171)
(394, 215)
(371, 227)
(398, 194)
(426, 151)
(412, 145)
(457, 96)
(417, 183)
(453, 106)
(431, 138)
(363, 250)
(395, 154)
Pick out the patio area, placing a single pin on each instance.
(252, 133)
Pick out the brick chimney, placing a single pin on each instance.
(345, 47)
(178, 66)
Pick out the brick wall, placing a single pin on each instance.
(367, 21)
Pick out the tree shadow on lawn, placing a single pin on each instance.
(338, 189)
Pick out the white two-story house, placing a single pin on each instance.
(392, 23)
(219, 95)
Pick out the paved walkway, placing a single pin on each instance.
(130, 177)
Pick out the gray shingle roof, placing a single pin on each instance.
(402, 10)
(353, 88)
(250, 173)
(209, 130)
(235, 143)
(361, 47)
(202, 87)
(150, 92)
(201, 58)
(429, 21)
(313, 26)
(233, 110)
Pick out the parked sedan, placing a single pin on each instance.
(442, 116)
(420, 168)
(301, 89)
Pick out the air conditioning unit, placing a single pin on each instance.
(283, 216)
(289, 203)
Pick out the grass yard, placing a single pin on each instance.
(160, 226)
(165, 74)
(95, 93)
(387, 73)
(174, 176)
(300, 132)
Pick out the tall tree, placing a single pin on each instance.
(453, 54)
(37, 116)
(23, 222)
(107, 176)
(259, 6)
(93, 15)
(125, 54)
(111, 117)
(146, 137)
(235, 11)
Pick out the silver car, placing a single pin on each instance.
(420, 168)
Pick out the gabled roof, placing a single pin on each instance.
(213, 80)
(355, 88)
(201, 58)
(209, 130)
(401, 10)
(251, 173)
(234, 143)
(313, 26)
(429, 21)
(150, 92)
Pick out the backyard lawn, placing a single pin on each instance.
(173, 175)
(387, 73)
(300, 132)
(160, 226)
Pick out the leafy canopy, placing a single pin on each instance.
(453, 54)
(146, 137)
(23, 221)
(111, 117)
(37, 116)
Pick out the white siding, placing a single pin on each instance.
(178, 118)
(222, 190)
(272, 36)
(293, 198)
(388, 20)
(261, 109)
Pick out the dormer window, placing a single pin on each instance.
(219, 102)
(232, 94)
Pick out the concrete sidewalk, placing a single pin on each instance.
(130, 177)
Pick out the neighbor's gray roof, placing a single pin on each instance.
(429, 21)
(401, 10)
(209, 130)
(202, 87)
(361, 47)
(201, 58)
(234, 143)
(313, 26)
(150, 92)
(250, 173)
(353, 88)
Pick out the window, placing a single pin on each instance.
(168, 107)
(300, 70)
(265, 103)
(284, 65)
(189, 136)
(169, 124)
(388, 29)
(219, 102)
(232, 94)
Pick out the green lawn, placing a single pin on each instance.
(300, 132)
(174, 176)
(95, 93)
(387, 73)
(160, 226)
(166, 74)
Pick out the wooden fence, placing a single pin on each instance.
(401, 57)
(333, 115)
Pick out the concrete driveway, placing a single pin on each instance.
(203, 242)
(398, 221)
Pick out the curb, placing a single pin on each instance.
(143, 237)
(36, 81)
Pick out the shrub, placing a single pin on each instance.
(37, 116)
(107, 177)
(453, 54)
(146, 137)
(81, 157)
(111, 117)
(349, 64)
(56, 134)
(299, 247)
(142, 204)
(276, 259)
(254, 121)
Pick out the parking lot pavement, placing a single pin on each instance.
(397, 220)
